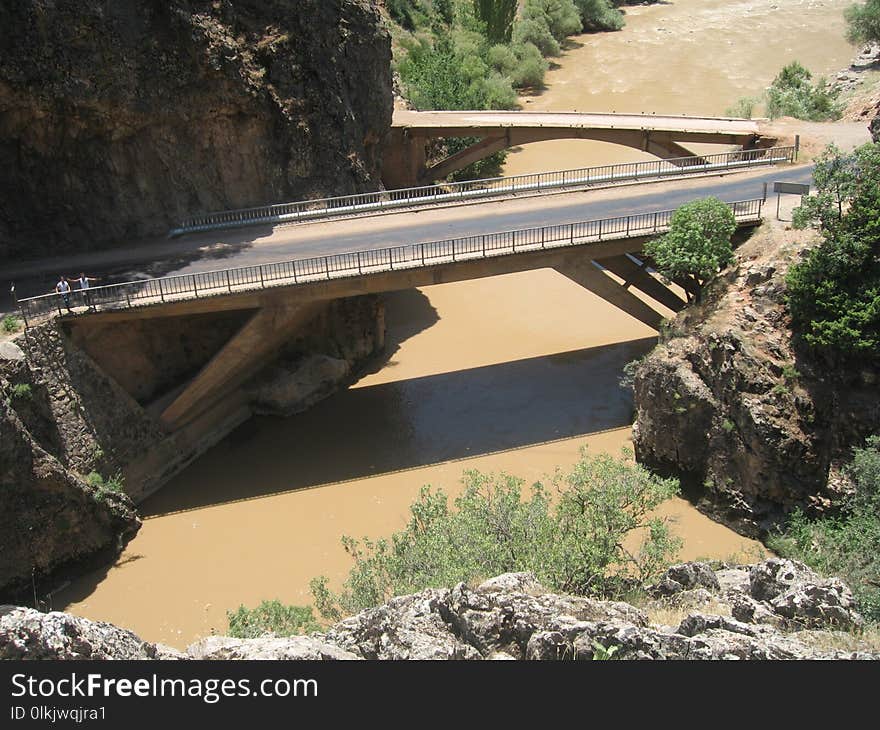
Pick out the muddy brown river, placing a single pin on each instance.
(514, 373)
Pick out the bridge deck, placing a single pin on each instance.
(445, 122)
(210, 288)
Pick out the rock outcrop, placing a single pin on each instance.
(120, 117)
(512, 617)
(50, 517)
(753, 426)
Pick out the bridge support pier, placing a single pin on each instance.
(588, 276)
(248, 350)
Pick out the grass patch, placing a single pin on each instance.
(271, 618)
(10, 323)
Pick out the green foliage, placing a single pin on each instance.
(110, 485)
(863, 22)
(743, 109)
(793, 95)
(728, 425)
(599, 15)
(574, 544)
(834, 293)
(602, 652)
(10, 323)
(271, 618)
(698, 243)
(848, 545)
(546, 23)
(21, 391)
(498, 16)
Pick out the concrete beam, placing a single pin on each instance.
(248, 350)
(586, 274)
(465, 157)
(635, 275)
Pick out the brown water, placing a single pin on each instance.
(514, 373)
(685, 57)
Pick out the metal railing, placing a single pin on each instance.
(361, 263)
(493, 187)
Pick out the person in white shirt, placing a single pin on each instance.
(63, 288)
(83, 285)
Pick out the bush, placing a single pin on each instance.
(114, 484)
(537, 34)
(863, 22)
(792, 95)
(743, 109)
(10, 323)
(530, 68)
(599, 15)
(575, 545)
(848, 545)
(21, 391)
(271, 618)
(697, 245)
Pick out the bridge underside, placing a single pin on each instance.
(406, 165)
(276, 315)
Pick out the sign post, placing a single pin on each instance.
(784, 187)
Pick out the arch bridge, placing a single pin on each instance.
(406, 164)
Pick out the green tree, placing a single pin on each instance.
(863, 22)
(697, 245)
(498, 16)
(575, 543)
(834, 292)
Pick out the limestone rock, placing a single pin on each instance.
(296, 648)
(285, 392)
(29, 634)
(828, 603)
(769, 579)
(685, 576)
(10, 351)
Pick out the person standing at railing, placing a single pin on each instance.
(84, 286)
(63, 288)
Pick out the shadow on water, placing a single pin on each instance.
(363, 432)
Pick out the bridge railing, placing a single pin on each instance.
(360, 263)
(487, 188)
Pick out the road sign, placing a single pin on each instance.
(795, 188)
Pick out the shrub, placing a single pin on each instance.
(847, 545)
(743, 109)
(271, 618)
(599, 15)
(114, 484)
(863, 22)
(21, 391)
(530, 68)
(10, 323)
(575, 544)
(536, 32)
(792, 95)
(697, 244)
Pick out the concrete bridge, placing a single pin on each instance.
(278, 299)
(405, 163)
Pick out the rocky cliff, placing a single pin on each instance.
(778, 609)
(755, 426)
(120, 117)
(50, 518)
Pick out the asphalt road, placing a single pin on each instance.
(264, 244)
